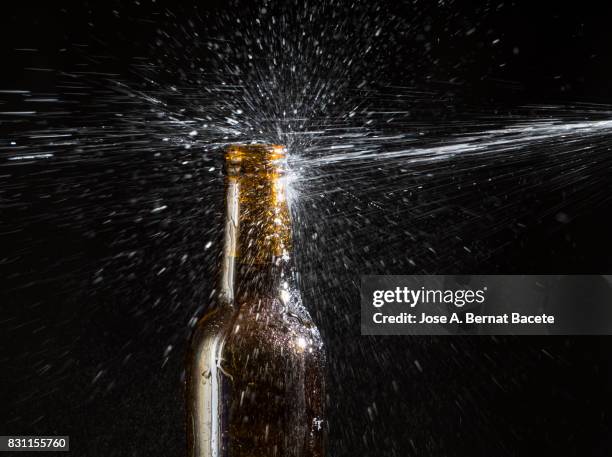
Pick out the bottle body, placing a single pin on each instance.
(256, 387)
(255, 378)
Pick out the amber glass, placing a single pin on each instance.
(255, 377)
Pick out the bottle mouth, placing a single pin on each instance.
(255, 158)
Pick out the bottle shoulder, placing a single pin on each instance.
(212, 325)
(264, 323)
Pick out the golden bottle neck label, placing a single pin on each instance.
(258, 225)
(257, 183)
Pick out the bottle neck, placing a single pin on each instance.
(256, 257)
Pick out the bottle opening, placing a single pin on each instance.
(254, 158)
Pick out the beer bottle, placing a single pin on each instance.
(255, 377)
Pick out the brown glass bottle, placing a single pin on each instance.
(255, 378)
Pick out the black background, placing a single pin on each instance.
(92, 361)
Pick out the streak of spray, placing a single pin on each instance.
(112, 184)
